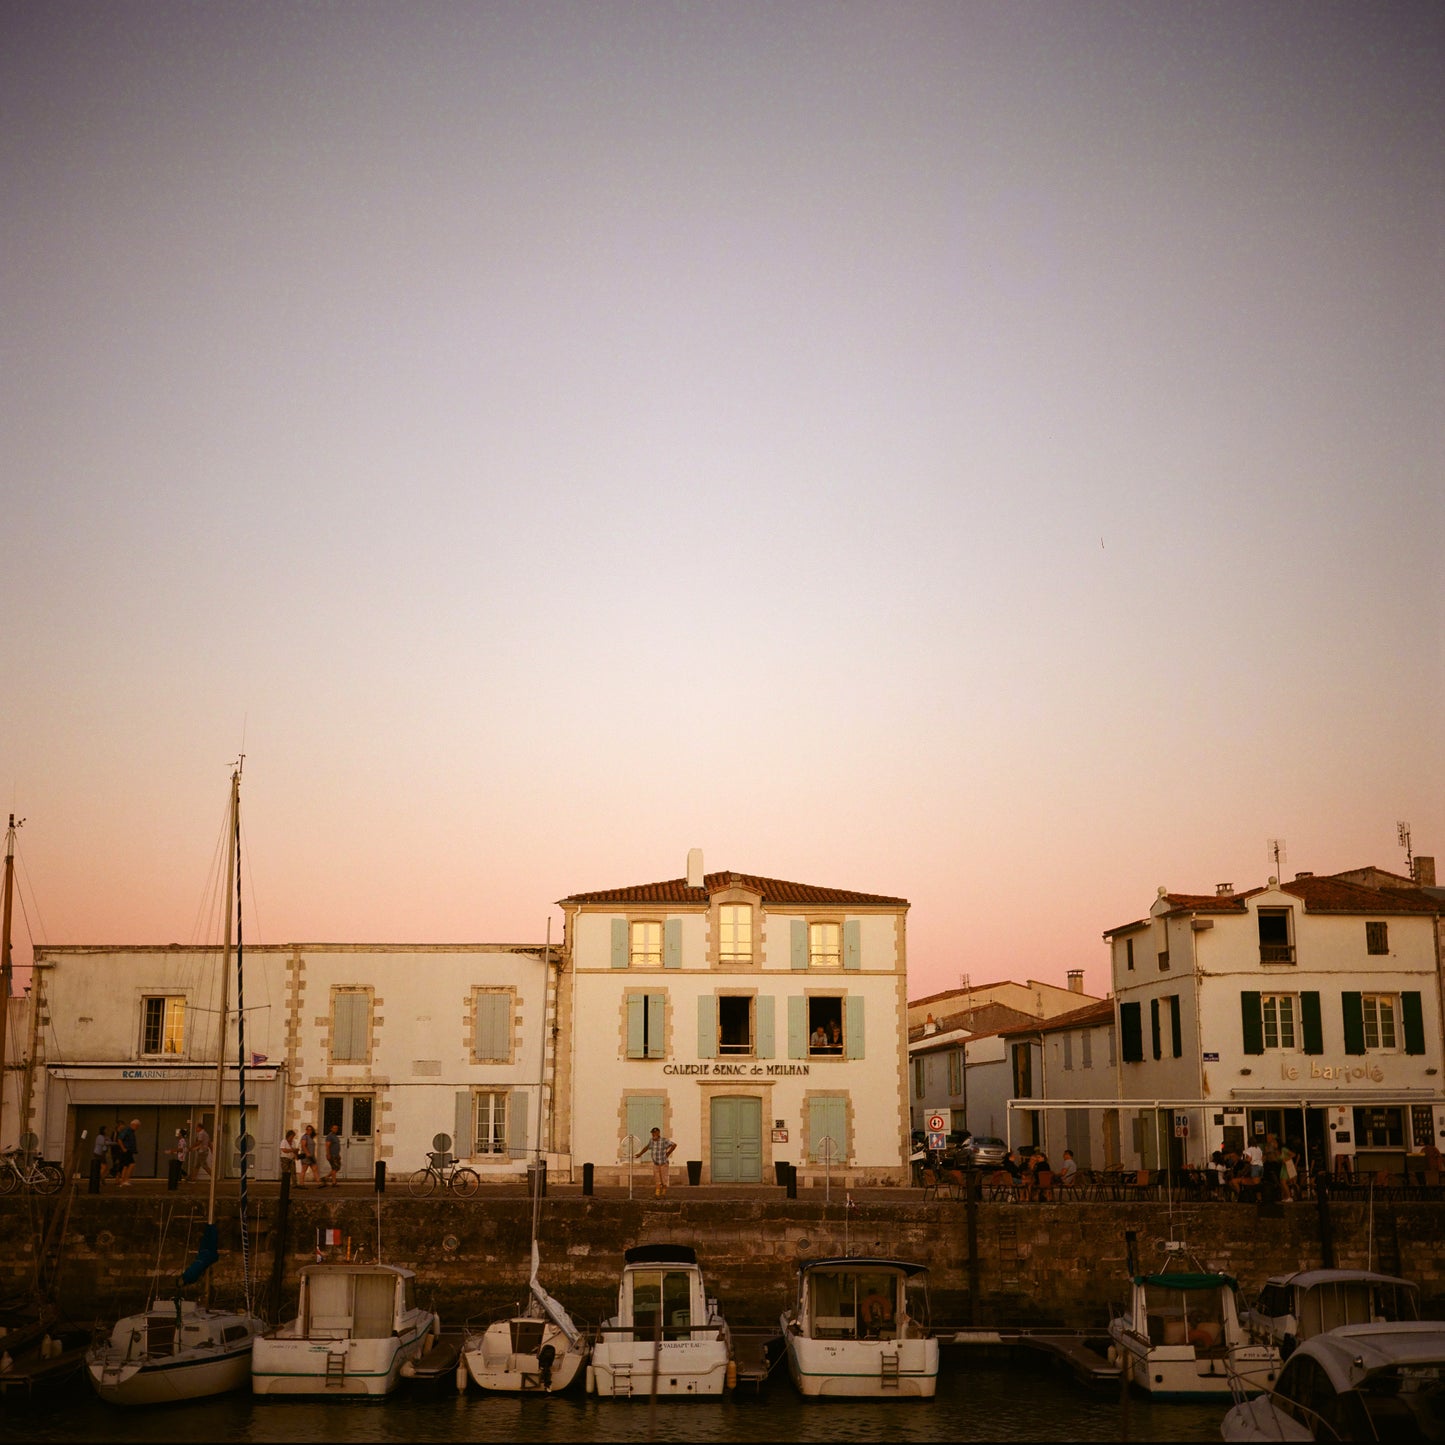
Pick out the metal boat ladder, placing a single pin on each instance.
(888, 1367)
(336, 1369)
(622, 1379)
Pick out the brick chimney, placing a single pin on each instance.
(694, 867)
(1424, 872)
(1076, 980)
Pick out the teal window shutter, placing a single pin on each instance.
(797, 1027)
(1251, 1022)
(707, 1026)
(619, 943)
(656, 1024)
(799, 936)
(828, 1119)
(853, 1026)
(766, 1048)
(1413, 1018)
(1154, 1025)
(518, 1144)
(644, 1114)
(1310, 1025)
(494, 1026)
(1352, 1009)
(463, 1145)
(852, 944)
(350, 1028)
(1131, 1033)
(672, 943)
(637, 1026)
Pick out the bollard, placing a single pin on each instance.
(97, 1166)
(792, 1181)
(381, 1176)
(587, 1179)
(173, 1175)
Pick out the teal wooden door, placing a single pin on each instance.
(737, 1141)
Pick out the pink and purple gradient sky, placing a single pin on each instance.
(984, 453)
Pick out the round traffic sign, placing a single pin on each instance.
(936, 1123)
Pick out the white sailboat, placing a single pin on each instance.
(667, 1337)
(178, 1349)
(539, 1350)
(860, 1328)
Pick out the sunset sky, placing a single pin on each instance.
(984, 453)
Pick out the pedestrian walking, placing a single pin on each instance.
(333, 1155)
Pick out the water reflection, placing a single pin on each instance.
(977, 1400)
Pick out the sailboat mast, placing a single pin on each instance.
(5, 963)
(225, 1002)
(241, 1058)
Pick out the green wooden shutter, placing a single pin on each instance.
(1352, 1009)
(1176, 1029)
(828, 1119)
(797, 1027)
(799, 954)
(853, 1026)
(1310, 1025)
(707, 1026)
(852, 944)
(1414, 1020)
(351, 1028)
(518, 1145)
(636, 1025)
(672, 943)
(656, 1024)
(1154, 1026)
(1131, 1033)
(619, 943)
(494, 1026)
(463, 1144)
(1251, 1021)
(644, 1114)
(766, 1048)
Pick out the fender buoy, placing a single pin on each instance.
(461, 1376)
(591, 1380)
(732, 1374)
(1112, 1354)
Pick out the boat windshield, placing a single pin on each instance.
(1406, 1403)
(850, 1304)
(1184, 1316)
(1353, 1302)
(661, 1299)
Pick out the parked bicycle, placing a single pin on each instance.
(29, 1170)
(443, 1172)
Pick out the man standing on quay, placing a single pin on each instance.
(661, 1150)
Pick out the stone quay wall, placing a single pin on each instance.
(1061, 1264)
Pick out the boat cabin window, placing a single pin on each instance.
(1185, 1316)
(1352, 1302)
(375, 1300)
(666, 1291)
(232, 1333)
(408, 1294)
(853, 1305)
(1276, 1300)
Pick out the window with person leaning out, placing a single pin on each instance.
(825, 1026)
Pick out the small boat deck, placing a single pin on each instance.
(1082, 1352)
(756, 1354)
(439, 1363)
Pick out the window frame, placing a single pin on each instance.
(363, 1056)
(645, 957)
(829, 1050)
(729, 917)
(494, 990)
(1271, 1015)
(824, 958)
(645, 995)
(171, 1021)
(1276, 954)
(1372, 1002)
(738, 1051)
(1377, 937)
(492, 1149)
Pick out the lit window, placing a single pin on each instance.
(1278, 1011)
(1379, 1012)
(490, 1114)
(646, 945)
(825, 945)
(163, 1026)
(735, 921)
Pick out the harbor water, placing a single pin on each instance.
(979, 1398)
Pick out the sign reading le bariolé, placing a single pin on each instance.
(735, 1071)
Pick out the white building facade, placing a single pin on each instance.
(394, 1043)
(1310, 1010)
(753, 1021)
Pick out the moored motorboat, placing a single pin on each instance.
(1181, 1337)
(860, 1327)
(667, 1337)
(356, 1325)
(1292, 1308)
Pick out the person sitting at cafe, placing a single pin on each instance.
(1068, 1170)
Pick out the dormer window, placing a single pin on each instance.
(1275, 945)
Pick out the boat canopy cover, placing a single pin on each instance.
(660, 1254)
(1187, 1281)
(208, 1251)
(863, 1263)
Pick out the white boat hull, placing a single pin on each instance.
(499, 1369)
(865, 1369)
(192, 1375)
(335, 1368)
(685, 1367)
(1179, 1372)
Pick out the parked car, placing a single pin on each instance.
(984, 1151)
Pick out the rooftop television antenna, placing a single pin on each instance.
(1403, 832)
(1277, 852)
